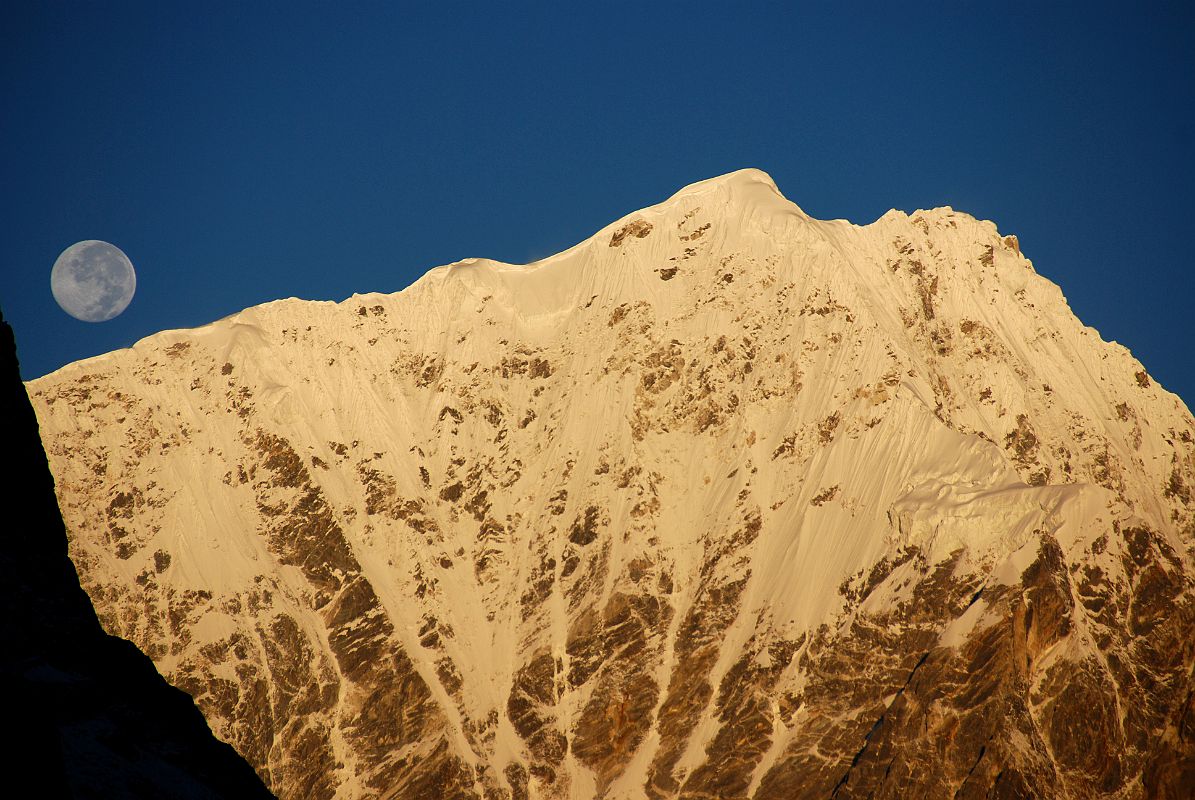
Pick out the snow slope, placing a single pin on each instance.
(723, 501)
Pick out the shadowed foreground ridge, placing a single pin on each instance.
(89, 716)
(722, 502)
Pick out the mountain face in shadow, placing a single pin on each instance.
(88, 714)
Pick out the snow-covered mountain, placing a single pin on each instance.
(722, 502)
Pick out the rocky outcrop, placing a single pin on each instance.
(88, 714)
(724, 502)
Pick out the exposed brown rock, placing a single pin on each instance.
(637, 228)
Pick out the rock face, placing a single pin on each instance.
(88, 714)
(723, 502)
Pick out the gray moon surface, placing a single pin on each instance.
(93, 281)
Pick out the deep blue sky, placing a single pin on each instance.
(242, 152)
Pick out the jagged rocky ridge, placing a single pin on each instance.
(89, 716)
(723, 502)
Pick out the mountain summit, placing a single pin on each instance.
(722, 502)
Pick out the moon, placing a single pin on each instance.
(93, 281)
